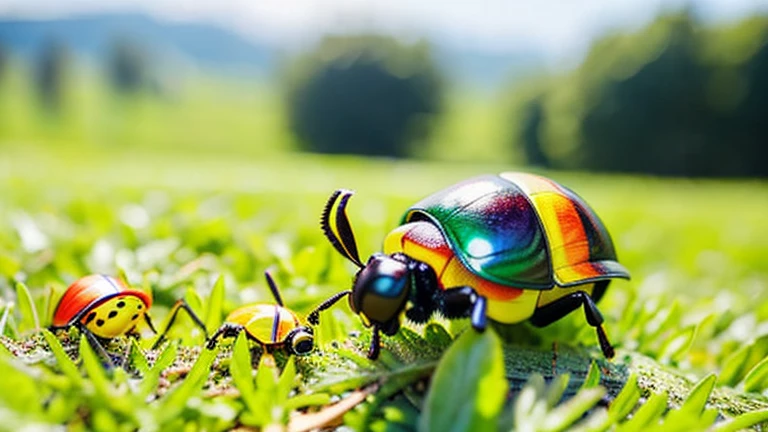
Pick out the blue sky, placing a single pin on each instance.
(558, 28)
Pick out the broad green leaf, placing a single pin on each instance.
(66, 364)
(566, 414)
(215, 306)
(468, 387)
(757, 378)
(27, 307)
(593, 376)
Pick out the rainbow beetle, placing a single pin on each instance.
(507, 247)
(103, 307)
(273, 326)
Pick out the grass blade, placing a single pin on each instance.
(215, 306)
(566, 414)
(242, 373)
(593, 376)
(741, 422)
(94, 369)
(66, 364)
(626, 400)
(648, 415)
(173, 403)
(757, 378)
(27, 307)
(137, 358)
(152, 377)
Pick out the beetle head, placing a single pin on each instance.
(380, 289)
(381, 285)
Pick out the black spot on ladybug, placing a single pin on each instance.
(120, 304)
(139, 306)
(90, 318)
(99, 322)
(134, 317)
(112, 314)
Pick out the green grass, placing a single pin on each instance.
(176, 223)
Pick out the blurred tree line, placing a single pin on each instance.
(673, 99)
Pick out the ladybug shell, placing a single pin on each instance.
(269, 324)
(89, 292)
(521, 230)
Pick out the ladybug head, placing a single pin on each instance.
(301, 340)
(381, 285)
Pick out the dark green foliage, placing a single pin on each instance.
(363, 95)
(50, 74)
(674, 99)
(532, 118)
(127, 67)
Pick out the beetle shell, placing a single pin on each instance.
(105, 305)
(521, 230)
(269, 324)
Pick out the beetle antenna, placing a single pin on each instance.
(345, 229)
(273, 288)
(341, 245)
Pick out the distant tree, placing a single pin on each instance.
(748, 124)
(366, 95)
(128, 66)
(652, 121)
(51, 69)
(674, 99)
(532, 118)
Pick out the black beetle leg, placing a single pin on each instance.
(96, 345)
(314, 316)
(373, 350)
(552, 312)
(148, 320)
(179, 305)
(464, 302)
(425, 290)
(226, 330)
